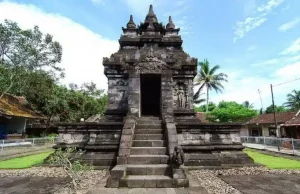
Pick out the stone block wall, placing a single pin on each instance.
(211, 144)
(99, 140)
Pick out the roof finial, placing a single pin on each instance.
(151, 17)
(131, 24)
(170, 25)
(131, 18)
(151, 9)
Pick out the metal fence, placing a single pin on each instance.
(283, 145)
(10, 147)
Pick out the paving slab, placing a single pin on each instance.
(265, 184)
(31, 185)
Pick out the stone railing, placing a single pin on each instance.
(170, 132)
(126, 139)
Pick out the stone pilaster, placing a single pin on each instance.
(134, 94)
(166, 92)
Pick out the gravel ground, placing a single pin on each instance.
(88, 179)
(210, 180)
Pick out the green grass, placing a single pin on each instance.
(24, 162)
(272, 162)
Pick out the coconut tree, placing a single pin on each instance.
(208, 78)
(293, 100)
(248, 105)
(197, 96)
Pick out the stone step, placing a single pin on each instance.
(149, 122)
(148, 159)
(149, 131)
(148, 126)
(149, 118)
(149, 169)
(148, 150)
(149, 137)
(149, 143)
(150, 181)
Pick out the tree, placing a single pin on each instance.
(269, 109)
(293, 100)
(68, 160)
(247, 104)
(207, 77)
(197, 96)
(231, 112)
(202, 108)
(23, 51)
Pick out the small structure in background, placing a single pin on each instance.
(291, 128)
(15, 111)
(202, 117)
(263, 125)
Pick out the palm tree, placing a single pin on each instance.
(207, 77)
(293, 100)
(248, 105)
(197, 95)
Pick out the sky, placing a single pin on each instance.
(256, 42)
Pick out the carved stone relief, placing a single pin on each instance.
(180, 94)
(148, 64)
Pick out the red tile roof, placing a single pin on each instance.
(294, 121)
(281, 117)
(17, 106)
(202, 117)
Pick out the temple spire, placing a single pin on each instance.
(151, 9)
(151, 17)
(131, 24)
(170, 25)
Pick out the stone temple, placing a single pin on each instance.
(150, 133)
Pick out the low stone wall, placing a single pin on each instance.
(211, 144)
(99, 140)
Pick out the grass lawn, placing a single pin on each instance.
(272, 161)
(24, 162)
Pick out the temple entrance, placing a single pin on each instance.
(150, 94)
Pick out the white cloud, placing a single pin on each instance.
(252, 48)
(288, 71)
(83, 49)
(269, 6)
(242, 87)
(293, 49)
(289, 25)
(241, 28)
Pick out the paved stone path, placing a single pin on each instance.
(250, 184)
(192, 190)
(30, 185)
(265, 184)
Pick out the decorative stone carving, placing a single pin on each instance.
(148, 63)
(180, 95)
(178, 156)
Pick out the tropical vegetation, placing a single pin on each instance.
(29, 67)
(209, 78)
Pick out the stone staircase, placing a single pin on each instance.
(148, 162)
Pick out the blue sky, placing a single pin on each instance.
(256, 42)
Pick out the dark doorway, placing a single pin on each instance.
(150, 94)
